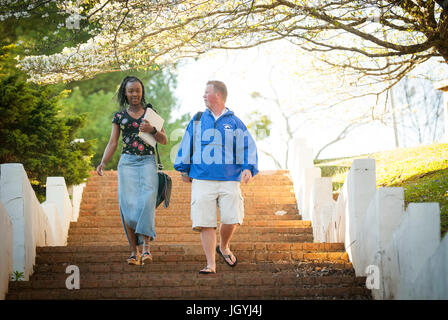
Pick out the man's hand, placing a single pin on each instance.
(186, 178)
(246, 176)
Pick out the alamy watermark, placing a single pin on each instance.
(373, 277)
(238, 145)
(72, 281)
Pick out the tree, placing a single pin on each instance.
(94, 99)
(421, 111)
(377, 40)
(34, 134)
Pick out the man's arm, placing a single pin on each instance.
(184, 154)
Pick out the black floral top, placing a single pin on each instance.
(129, 126)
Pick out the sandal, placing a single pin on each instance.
(207, 270)
(226, 256)
(146, 256)
(134, 260)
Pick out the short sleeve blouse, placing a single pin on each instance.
(129, 127)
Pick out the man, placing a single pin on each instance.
(216, 153)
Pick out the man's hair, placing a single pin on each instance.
(219, 86)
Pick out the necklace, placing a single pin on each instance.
(134, 110)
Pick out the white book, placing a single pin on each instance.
(156, 121)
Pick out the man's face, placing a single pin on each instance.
(210, 96)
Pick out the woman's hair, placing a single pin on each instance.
(121, 94)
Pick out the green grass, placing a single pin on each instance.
(421, 171)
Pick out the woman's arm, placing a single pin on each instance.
(110, 148)
(161, 136)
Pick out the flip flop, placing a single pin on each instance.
(133, 260)
(226, 256)
(207, 270)
(146, 256)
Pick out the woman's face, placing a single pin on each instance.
(134, 92)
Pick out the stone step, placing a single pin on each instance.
(277, 219)
(305, 267)
(161, 230)
(115, 222)
(284, 252)
(161, 279)
(206, 290)
(235, 246)
(173, 257)
(185, 201)
(109, 208)
(120, 239)
(179, 192)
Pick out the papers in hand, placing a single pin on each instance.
(156, 121)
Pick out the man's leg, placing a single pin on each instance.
(226, 231)
(208, 239)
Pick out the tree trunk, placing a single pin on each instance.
(442, 44)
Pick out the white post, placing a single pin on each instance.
(14, 195)
(382, 218)
(6, 245)
(76, 193)
(419, 240)
(321, 207)
(57, 193)
(361, 189)
(302, 158)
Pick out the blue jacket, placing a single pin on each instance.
(222, 149)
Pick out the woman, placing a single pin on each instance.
(137, 170)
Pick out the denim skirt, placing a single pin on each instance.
(137, 194)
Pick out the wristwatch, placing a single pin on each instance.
(184, 174)
(155, 131)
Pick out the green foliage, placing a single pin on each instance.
(259, 125)
(17, 276)
(421, 171)
(96, 99)
(33, 133)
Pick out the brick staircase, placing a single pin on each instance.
(277, 258)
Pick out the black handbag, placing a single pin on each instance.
(165, 184)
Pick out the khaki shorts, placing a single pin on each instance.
(207, 195)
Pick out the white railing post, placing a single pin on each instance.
(57, 193)
(31, 227)
(321, 207)
(361, 188)
(6, 245)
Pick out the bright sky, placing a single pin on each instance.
(282, 67)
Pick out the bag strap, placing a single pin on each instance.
(159, 164)
(197, 118)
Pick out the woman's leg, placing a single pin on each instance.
(132, 240)
(145, 244)
(146, 254)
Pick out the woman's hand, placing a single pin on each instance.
(145, 126)
(100, 168)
